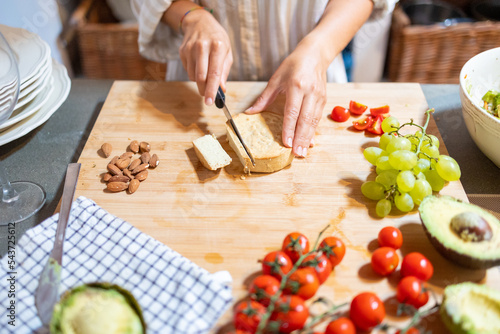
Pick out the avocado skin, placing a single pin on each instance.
(461, 259)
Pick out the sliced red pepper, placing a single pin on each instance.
(379, 110)
(357, 108)
(376, 126)
(363, 123)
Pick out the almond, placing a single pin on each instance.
(128, 173)
(140, 168)
(134, 146)
(114, 170)
(119, 178)
(106, 149)
(133, 185)
(127, 155)
(106, 177)
(154, 161)
(142, 175)
(123, 163)
(144, 146)
(114, 160)
(117, 186)
(134, 164)
(145, 157)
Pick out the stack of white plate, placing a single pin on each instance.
(45, 84)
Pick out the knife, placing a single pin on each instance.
(47, 293)
(220, 102)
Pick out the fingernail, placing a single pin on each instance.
(209, 101)
(289, 142)
(304, 152)
(312, 142)
(249, 109)
(299, 151)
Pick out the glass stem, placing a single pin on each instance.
(8, 193)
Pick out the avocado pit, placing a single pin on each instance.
(470, 226)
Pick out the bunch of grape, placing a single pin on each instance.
(409, 167)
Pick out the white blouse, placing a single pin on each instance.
(262, 34)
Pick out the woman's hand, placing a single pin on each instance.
(302, 78)
(205, 53)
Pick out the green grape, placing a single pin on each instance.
(421, 189)
(387, 178)
(436, 181)
(413, 140)
(423, 165)
(384, 140)
(432, 139)
(378, 170)
(383, 208)
(448, 168)
(430, 150)
(403, 159)
(389, 124)
(373, 190)
(420, 176)
(418, 134)
(398, 143)
(404, 202)
(405, 181)
(383, 163)
(373, 153)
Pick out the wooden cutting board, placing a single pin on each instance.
(224, 221)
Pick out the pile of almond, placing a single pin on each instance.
(127, 171)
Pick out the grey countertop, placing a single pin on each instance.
(43, 155)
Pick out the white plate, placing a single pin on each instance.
(37, 83)
(62, 85)
(47, 63)
(36, 90)
(29, 49)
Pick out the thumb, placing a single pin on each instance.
(265, 99)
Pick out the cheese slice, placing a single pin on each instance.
(262, 135)
(210, 152)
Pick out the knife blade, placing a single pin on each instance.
(47, 292)
(220, 102)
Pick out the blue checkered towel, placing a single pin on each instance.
(175, 294)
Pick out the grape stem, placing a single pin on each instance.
(428, 112)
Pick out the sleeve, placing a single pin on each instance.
(381, 8)
(157, 41)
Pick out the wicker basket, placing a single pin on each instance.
(108, 49)
(435, 53)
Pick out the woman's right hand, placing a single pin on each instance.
(205, 53)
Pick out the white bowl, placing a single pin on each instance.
(480, 74)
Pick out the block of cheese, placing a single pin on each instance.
(262, 135)
(210, 152)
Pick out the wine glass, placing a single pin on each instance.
(20, 199)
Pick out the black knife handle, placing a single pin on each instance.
(220, 99)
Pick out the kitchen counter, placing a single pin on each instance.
(42, 155)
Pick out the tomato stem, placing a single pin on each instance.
(330, 313)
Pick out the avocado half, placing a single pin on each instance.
(470, 308)
(440, 213)
(97, 308)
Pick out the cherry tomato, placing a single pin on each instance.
(321, 265)
(263, 288)
(247, 315)
(390, 236)
(379, 110)
(357, 108)
(363, 123)
(276, 264)
(340, 114)
(303, 282)
(333, 248)
(367, 311)
(415, 264)
(291, 313)
(376, 126)
(341, 325)
(385, 260)
(295, 245)
(411, 291)
(411, 330)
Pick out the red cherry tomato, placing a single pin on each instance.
(415, 264)
(357, 108)
(376, 126)
(263, 288)
(247, 315)
(385, 260)
(340, 114)
(276, 263)
(341, 325)
(295, 245)
(303, 282)
(290, 313)
(411, 291)
(367, 311)
(379, 110)
(333, 248)
(321, 265)
(363, 123)
(390, 236)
